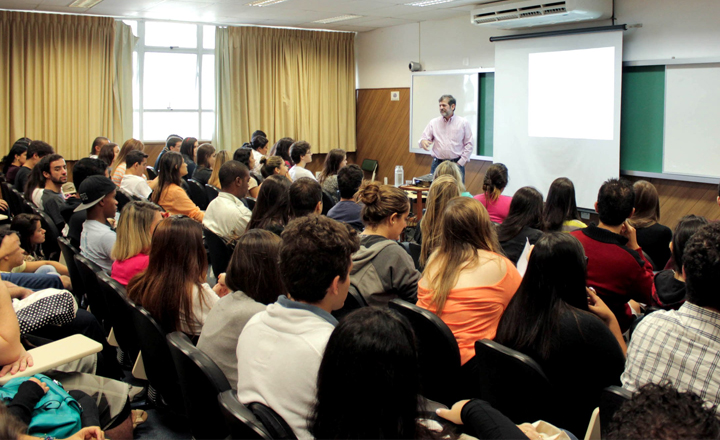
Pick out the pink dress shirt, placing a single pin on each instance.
(451, 138)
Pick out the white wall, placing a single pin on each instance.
(670, 28)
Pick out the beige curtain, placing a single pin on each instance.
(56, 80)
(125, 42)
(286, 82)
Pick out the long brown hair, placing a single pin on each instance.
(443, 189)
(177, 265)
(333, 160)
(465, 229)
(380, 202)
(495, 181)
(272, 205)
(647, 205)
(221, 157)
(168, 174)
(257, 252)
(129, 145)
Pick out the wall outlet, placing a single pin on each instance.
(395, 96)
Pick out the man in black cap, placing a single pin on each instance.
(97, 239)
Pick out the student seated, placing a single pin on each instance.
(172, 143)
(566, 328)
(173, 287)
(188, 150)
(305, 197)
(168, 193)
(134, 236)
(450, 168)
(273, 165)
(227, 216)
(382, 270)
(441, 191)
(260, 146)
(367, 389)
(282, 149)
(245, 156)
(32, 236)
(118, 165)
(523, 223)
(347, 210)
(97, 145)
(83, 168)
(15, 159)
(653, 237)
(271, 209)
(467, 282)
(36, 275)
(280, 349)
(560, 212)
(669, 285)
(494, 183)
(256, 253)
(301, 156)
(108, 153)
(205, 163)
(133, 181)
(97, 238)
(221, 157)
(335, 160)
(36, 151)
(54, 203)
(616, 268)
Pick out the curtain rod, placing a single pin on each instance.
(617, 27)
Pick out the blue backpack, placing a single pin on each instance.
(57, 414)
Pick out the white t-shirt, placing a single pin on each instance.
(297, 172)
(200, 310)
(135, 185)
(227, 216)
(96, 243)
(37, 197)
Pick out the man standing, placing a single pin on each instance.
(448, 137)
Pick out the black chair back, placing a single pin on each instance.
(152, 174)
(276, 425)
(16, 201)
(611, 399)
(512, 383)
(50, 248)
(119, 310)
(249, 202)
(28, 207)
(328, 202)
(9, 197)
(211, 192)
(239, 419)
(353, 302)
(159, 367)
(220, 253)
(437, 351)
(197, 194)
(95, 299)
(201, 382)
(69, 251)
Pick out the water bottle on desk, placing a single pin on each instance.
(399, 176)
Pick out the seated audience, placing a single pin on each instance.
(221, 157)
(280, 349)
(245, 156)
(134, 182)
(273, 165)
(560, 212)
(260, 146)
(172, 143)
(561, 324)
(467, 282)
(616, 267)
(97, 145)
(441, 191)
(367, 389)
(188, 149)
(227, 216)
(173, 287)
(118, 165)
(450, 168)
(108, 153)
(15, 159)
(36, 181)
(168, 193)
(653, 237)
(495, 181)
(36, 151)
(347, 210)
(334, 161)
(683, 346)
(34, 271)
(254, 279)
(382, 270)
(205, 163)
(83, 168)
(97, 238)
(53, 202)
(134, 236)
(272, 208)
(523, 223)
(659, 411)
(32, 236)
(669, 285)
(301, 156)
(305, 196)
(282, 149)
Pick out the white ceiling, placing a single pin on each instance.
(295, 13)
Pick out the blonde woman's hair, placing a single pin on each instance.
(133, 230)
(465, 229)
(450, 168)
(442, 190)
(129, 145)
(221, 157)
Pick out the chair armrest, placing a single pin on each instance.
(57, 353)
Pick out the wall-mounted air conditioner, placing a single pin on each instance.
(514, 14)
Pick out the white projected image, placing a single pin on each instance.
(571, 94)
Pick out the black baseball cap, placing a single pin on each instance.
(93, 189)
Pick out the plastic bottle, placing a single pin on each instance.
(399, 176)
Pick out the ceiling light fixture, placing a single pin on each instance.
(84, 3)
(338, 18)
(261, 3)
(428, 3)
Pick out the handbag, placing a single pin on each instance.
(45, 307)
(57, 414)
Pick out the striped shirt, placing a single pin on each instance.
(451, 138)
(681, 346)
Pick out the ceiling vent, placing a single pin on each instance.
(515, 14)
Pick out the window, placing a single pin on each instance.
(174, 80)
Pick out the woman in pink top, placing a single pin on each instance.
(132, 246)
(466, 282)
(497, 205)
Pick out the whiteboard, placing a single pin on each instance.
(426, 90)
(692, 120)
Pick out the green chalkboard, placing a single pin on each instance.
(486, 117)
(642, 118)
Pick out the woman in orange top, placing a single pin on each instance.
(467, 282)
(168, 193)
